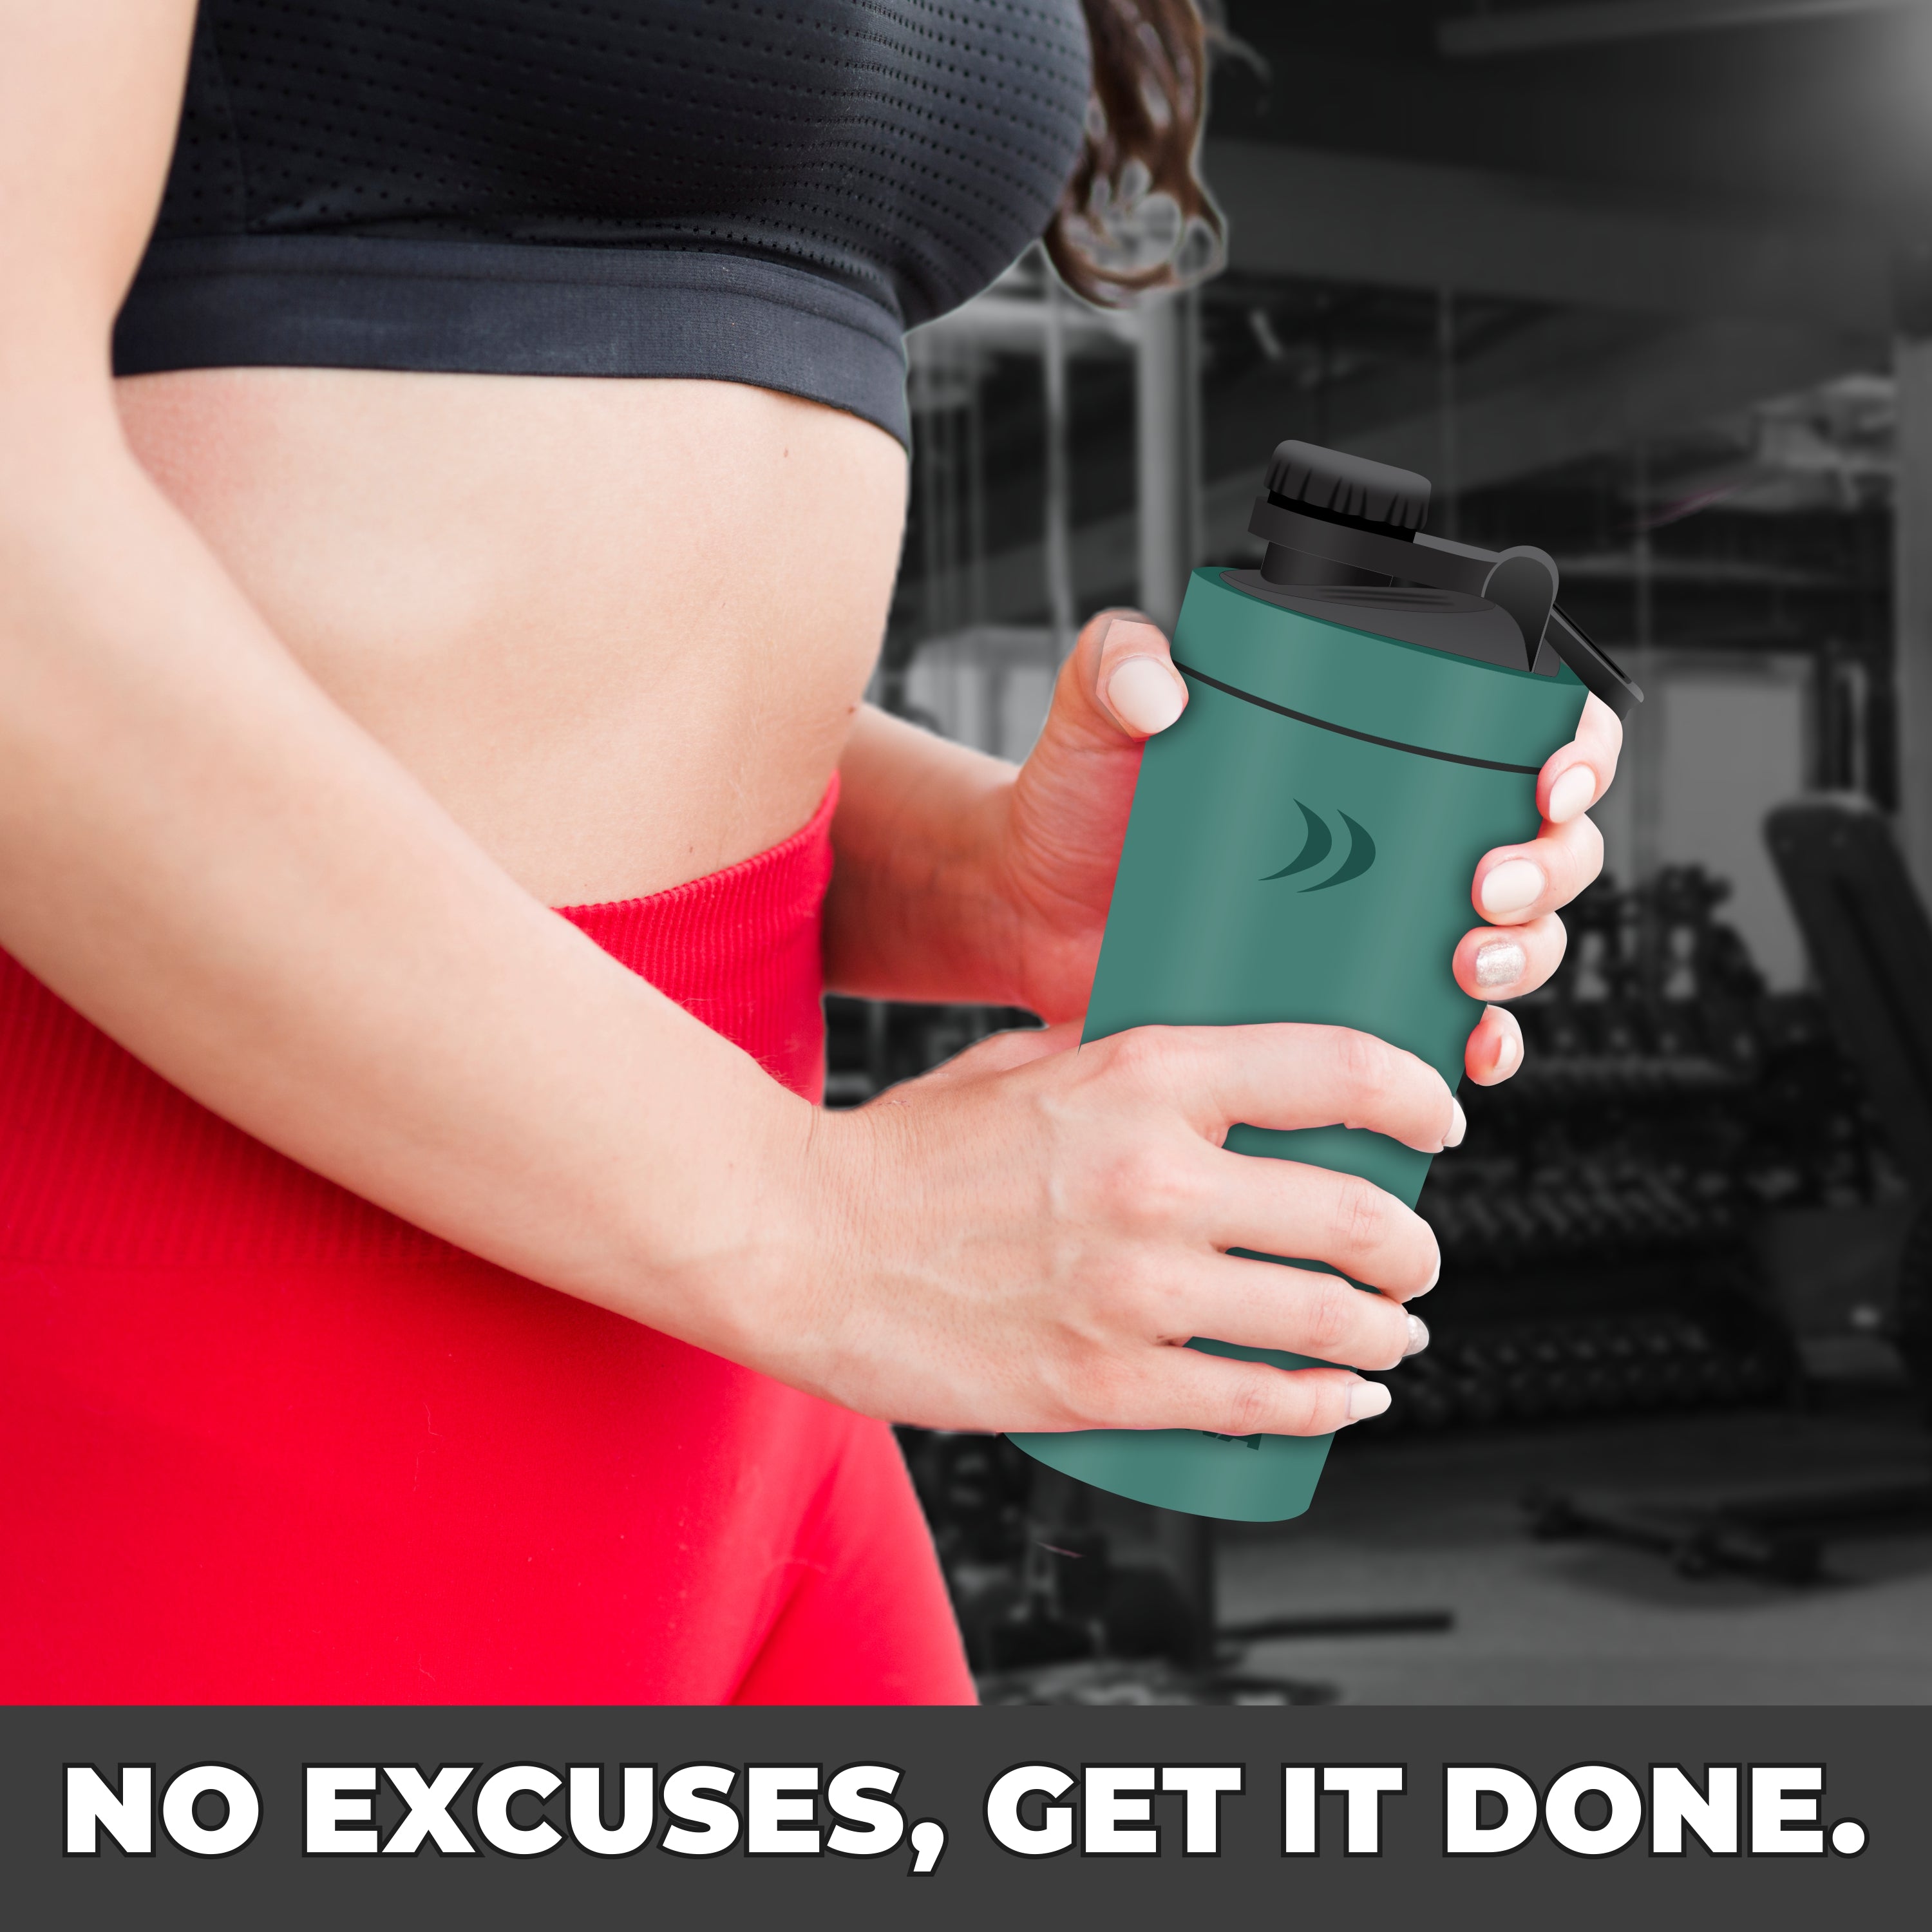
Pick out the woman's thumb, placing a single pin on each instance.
(1129, 674)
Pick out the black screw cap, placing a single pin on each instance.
(1327, 483)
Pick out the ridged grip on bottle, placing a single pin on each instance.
(1329, 482)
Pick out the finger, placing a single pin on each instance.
(1184, 1388)
(1495, 1051)
(1575, 777)
(1263, 1305)
(1134, 681)
(1494, 963)
(1116, 688)
(1310, 1214)
(1517, 883)
(1289, 1076)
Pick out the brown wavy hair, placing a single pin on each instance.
(1144, 128)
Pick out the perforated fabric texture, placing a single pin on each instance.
(766, 193)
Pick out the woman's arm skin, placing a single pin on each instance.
(961, 877)
(918, 908)
(205, 855)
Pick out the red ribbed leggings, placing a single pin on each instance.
(265, 1443)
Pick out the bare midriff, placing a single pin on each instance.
(619, 629)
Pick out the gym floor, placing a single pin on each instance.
(1414, 1523)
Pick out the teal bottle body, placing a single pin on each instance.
(1301, 847)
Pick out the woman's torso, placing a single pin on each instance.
(551, 597)
(618, 627)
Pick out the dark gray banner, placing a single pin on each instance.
(1757, 1817)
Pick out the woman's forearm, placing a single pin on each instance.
(918, 910)
(213, 862)
(961, 876)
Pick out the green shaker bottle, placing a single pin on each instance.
(1367, 716)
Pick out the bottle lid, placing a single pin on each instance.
(1327, 483)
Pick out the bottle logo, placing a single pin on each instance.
(1358, 854)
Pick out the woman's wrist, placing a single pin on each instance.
(770, 1279)
(710, 1246)
(921, 905)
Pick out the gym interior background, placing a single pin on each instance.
(1648, 283)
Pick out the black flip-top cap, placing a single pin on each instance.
(1326, 482)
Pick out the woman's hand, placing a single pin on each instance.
(1067, 814)
(1067, 811)
(1026, 1238)
(1518, 889)
(959, 878)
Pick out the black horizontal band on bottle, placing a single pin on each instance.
(1343, 731)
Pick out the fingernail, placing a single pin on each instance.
(1574, 792)
(1501, 962)
(1514, 884)
(1146, 697)
(1367, 1399)
(1459, 1125)
(1418, 1337)
(1508, 1053)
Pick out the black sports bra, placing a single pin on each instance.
(762, 193)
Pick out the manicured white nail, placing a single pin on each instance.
(1500, 963)
(1367, 1399)
(1459, 1124)
(1145, 696)
(1515, 883)
(1418, 1337)
(1574, 792)
(1507, 1054)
